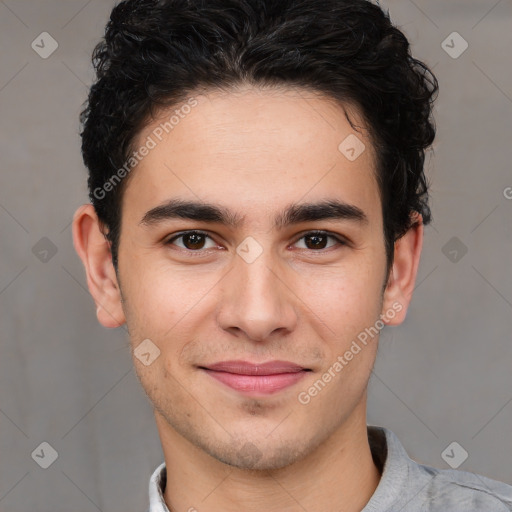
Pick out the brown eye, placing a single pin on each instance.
(317, 240)
(191, 240)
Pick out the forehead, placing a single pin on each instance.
(253, 149)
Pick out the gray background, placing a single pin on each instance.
(444, 375)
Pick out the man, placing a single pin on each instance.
(258, 202)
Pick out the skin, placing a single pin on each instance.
(254, 151)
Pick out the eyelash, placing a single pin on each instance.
(341, 241)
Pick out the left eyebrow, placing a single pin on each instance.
(295, 213)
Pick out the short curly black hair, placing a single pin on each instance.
(156, 53)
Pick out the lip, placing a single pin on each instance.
(247, 368)
(261, 378)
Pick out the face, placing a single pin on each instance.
(261, 279)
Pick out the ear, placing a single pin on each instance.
(402, 276)
(94, 251)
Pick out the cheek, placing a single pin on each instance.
(346, 298)
(349, 306)
(168, 305)
(159, 293)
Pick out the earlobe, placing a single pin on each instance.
(402, 277)
(94, 251)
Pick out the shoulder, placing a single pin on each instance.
(455, 490)
(409, 485)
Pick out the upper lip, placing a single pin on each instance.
(247, 368)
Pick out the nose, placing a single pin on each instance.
(256, 301)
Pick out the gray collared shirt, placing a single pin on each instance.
(404, 486)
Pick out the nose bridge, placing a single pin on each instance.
(259, 286)
(258, 278)
(255, 300)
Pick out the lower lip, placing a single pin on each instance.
(262, 384)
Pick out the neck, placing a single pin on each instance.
(338, 475)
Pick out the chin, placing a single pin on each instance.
(255, 456)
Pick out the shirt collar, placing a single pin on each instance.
(156, 490)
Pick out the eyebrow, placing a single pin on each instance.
(295, 213)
